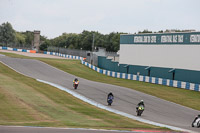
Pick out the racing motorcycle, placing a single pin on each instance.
(76, 84)
(109, 100)
(196, 122)
(139, 110)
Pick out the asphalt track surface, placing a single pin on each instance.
(126, 99)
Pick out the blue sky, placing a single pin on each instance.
(54, 17)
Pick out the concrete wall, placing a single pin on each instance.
(168, 56)
(154, 80)
(159, 72)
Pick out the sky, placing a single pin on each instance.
(54, 17)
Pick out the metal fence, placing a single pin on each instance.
(75, 52)
(18, 46)
(91, 57)
(114, 54)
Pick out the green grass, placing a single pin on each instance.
(15, 55)
(24, 101)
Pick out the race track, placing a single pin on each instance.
(156, 110)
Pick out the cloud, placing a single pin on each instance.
(72, 16)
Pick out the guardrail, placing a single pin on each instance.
(154, 80)
(19, 50)
(64, 55)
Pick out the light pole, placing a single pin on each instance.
(93, 49)
(93, 43)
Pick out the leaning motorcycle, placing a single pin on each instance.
(139, 110)
(196, 122)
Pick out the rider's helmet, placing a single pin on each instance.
(141, 101)
(76, 79)
(110, 94)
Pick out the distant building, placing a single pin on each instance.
(36, 40)
(175, 30)
(172, 55)
(172, 50)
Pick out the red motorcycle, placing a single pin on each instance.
(76, 84)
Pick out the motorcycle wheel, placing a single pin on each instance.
(198, 124)
(138, 114)
(192, 124)
(75, 86)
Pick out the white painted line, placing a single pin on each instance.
(85, 99)
(141, 78)
(183, 84)
(168, 81)
(108, 73)
(118, 75)
(147, 79)
(8, 48)
(192, 86)
(153, 80)
(19, 50)
(175, 84)
(160, 81)
(113, 74)
(134, 77)
(104, 71)
(123, 75)
(129, 76)
(87, 129)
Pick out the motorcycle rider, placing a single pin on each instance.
(141, 103)
(198, 116)
(75, 80)
(110, 96)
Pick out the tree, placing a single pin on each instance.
(45, 45)
(145, 31)
(86, 38)
(20, 38)
(112, 42)
(7, 33)
(29, 37)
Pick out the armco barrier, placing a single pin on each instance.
(64, 55)
(19, 50)
(153, 80)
